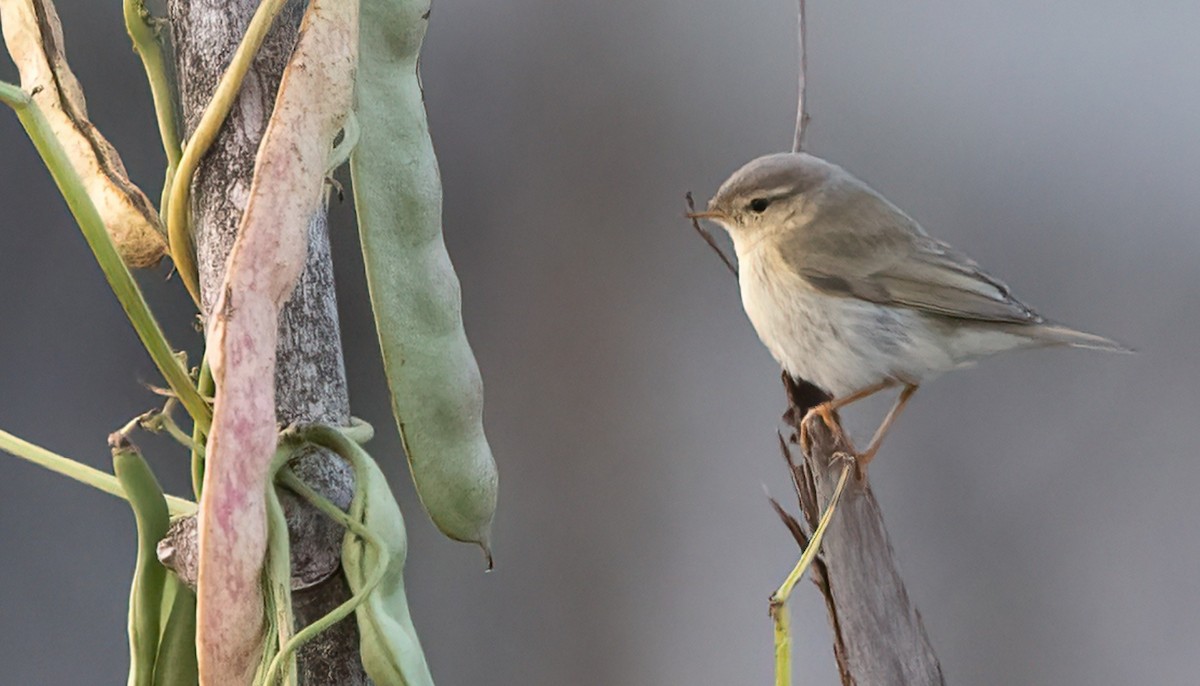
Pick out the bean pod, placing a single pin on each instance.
(437, 395)
(33, 34)
(176, 663)
(149, 577)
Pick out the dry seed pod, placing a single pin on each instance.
(33, 35)
(262, 269)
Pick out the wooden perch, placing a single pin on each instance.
(878, 637)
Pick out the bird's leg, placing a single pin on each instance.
(869, 454)
(826, 409)
(838, 403)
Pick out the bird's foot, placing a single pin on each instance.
(828, 415)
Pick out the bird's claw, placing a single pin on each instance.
(826, 413)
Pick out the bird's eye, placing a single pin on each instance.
(759, 205)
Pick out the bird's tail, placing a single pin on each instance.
(1056, 334)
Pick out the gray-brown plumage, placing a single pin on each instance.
(850, 293)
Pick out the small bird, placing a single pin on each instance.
(851, 294)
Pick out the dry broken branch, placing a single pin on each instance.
(878, 636)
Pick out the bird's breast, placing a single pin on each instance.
(834, 342)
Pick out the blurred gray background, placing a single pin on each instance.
(1043, 505)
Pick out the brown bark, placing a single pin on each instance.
(878, 636)
(310, 376)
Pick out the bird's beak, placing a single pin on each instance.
(711, 214)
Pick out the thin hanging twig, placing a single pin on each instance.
(878, 636)
(708, 237)
(801, 105)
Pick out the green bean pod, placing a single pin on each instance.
(391, 651)
(149, 576)
(176, 663)
(373, 554)
(437, 395)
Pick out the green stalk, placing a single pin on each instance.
(282, 663)
(779, 613)
(288, 651)
(281, 659)
(119, 278)
(206, 386)
(90, 476)
(277, 573)
(178, 232)
(146, 45)
(172, 428)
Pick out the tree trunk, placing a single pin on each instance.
(878, 637)
(310, 376)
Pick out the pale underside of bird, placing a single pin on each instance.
(851, 294)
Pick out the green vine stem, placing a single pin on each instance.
(391, 652)
(178, 231)
(90, 476)
(293, 483)
(172, 428)
(206, 386)
(779, 612)
(281, 667)
(119, 278)
(159, 421)
(277, 572)
(145, 43)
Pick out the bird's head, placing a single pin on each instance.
(768, 192)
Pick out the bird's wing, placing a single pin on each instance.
(869, 249)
